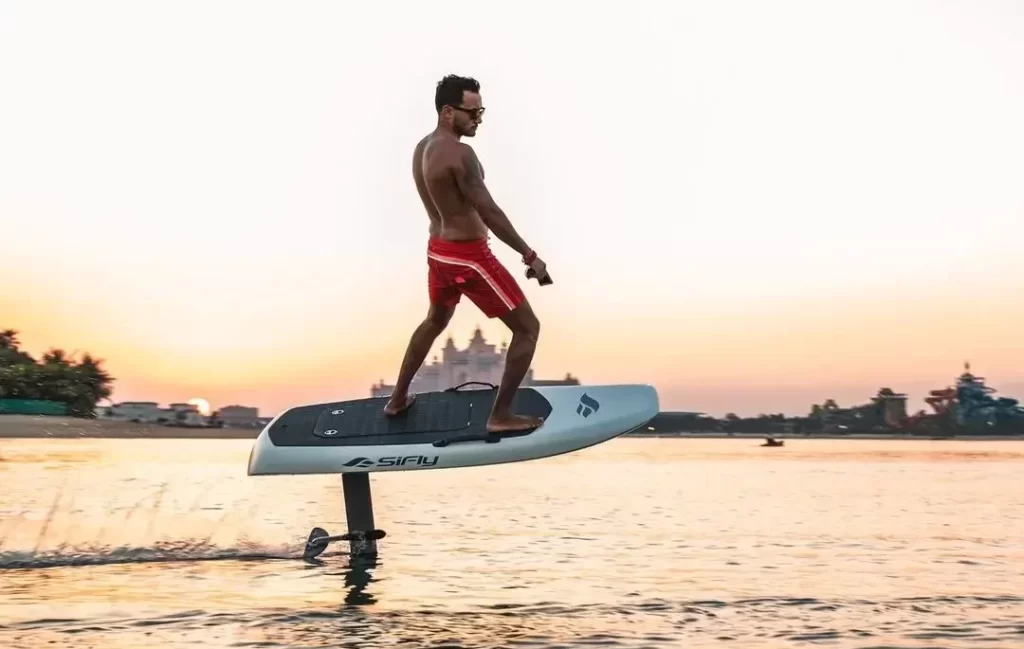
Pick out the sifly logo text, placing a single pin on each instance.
(394, 460)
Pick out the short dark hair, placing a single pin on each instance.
(449, 90)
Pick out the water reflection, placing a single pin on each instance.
(358, 575)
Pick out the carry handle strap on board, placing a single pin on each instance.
(456, 388)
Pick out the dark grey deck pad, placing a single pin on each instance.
(434, 416)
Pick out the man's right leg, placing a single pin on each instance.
(419, 346)
(525, 331)
(472, 269)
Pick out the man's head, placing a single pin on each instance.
(457, 100)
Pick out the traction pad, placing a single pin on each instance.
(433, 417)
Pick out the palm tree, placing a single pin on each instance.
(56, 357)
(57, 377)
(10, 354)
(9, 339)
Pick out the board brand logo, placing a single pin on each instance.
(393, 460)
(360, 462)
(588, 405)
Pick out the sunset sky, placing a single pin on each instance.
(752, 206)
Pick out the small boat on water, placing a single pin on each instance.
(771, 441)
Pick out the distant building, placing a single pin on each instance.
(479, 361)
(150, 412)
(141, 411)
(239, 416)
(185, 414)
(673, 422)
(568, 380)
(891, 406)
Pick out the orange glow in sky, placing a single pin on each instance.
(754, 210)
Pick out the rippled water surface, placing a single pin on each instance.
(634, 543)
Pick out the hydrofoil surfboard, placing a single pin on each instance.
(446, 429)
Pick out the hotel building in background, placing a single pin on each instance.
(479, 361)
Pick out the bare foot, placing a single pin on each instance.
(512, 423)
(393, 408)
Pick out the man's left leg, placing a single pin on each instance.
(419, 346)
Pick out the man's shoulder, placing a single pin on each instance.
(463, 151)
(446, 152)
(455, 153)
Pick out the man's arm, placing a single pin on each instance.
(471, 182)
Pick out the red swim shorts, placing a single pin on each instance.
(469, 268)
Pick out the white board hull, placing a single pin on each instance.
(575, 423)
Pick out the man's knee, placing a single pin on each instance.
(523, 322)
(438, 316)
(532, 326)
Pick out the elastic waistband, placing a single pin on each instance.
(437, 244)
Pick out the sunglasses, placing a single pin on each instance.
(474, 113)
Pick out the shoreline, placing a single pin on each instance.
(851, 436)
(54, 427)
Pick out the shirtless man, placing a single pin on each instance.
(450, 181)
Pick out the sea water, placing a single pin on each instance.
(634, 543)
